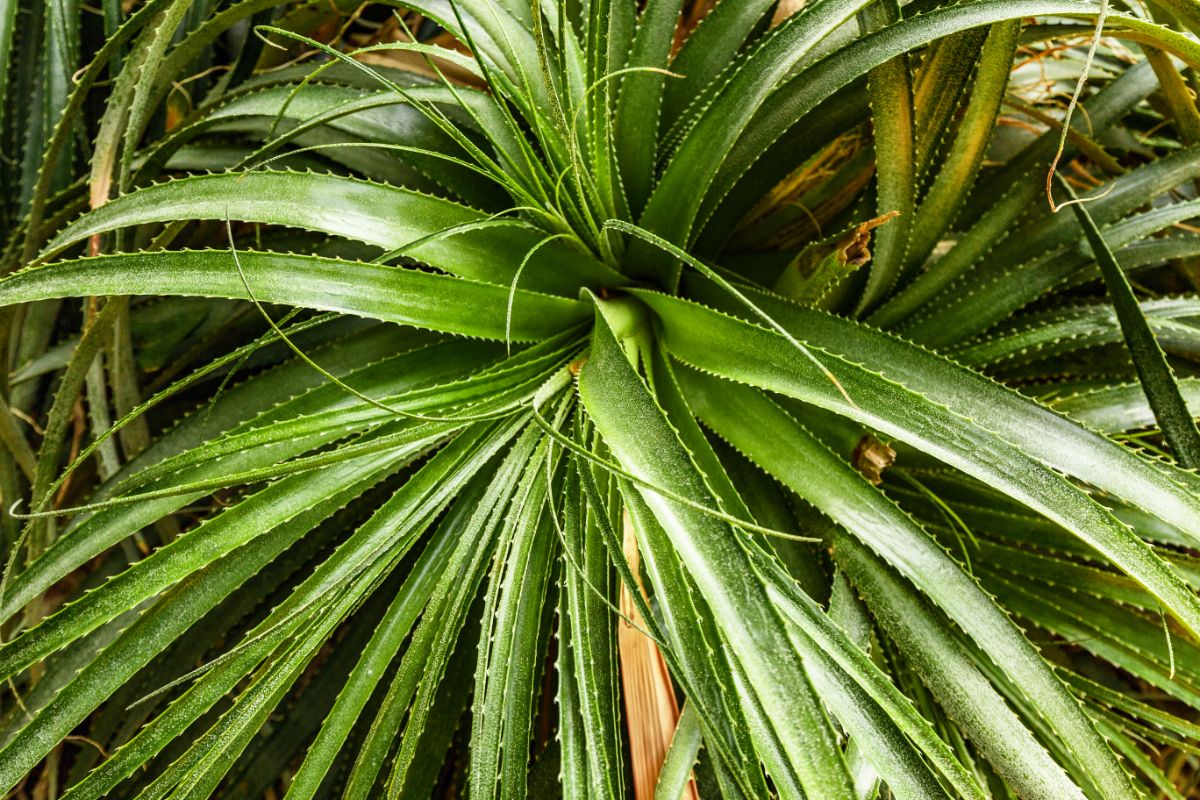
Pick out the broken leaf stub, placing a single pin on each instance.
(871, 457)
(812, 275)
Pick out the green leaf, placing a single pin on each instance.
(191, 474)
(736, 725)
(128, 109)
(707, 52)
(676, 768)
(344, 560)
(511, 657)
(627, 418)
(423, 668)
(1119, 408)
(389, 217)
(588, 658)
(948, 672)
(1155, 374)
(694, 173)
(386, 641)
(170, 564)
(1010, 194)
(408, 147)
(956, 174)
(745, 352)
(1047, 253)
(1045, 335)
(171, 616)
(672, 208)
(941, 83)
(1052, 439)
(8, 18)
(635, 132)
(890, 87)
(833, 486)
(373, 550)
(393, 294)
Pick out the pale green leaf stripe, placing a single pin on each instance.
(109, 526)
(393, 528)
(293, 383)
(497, 35)
(1155, 374)
(698, 664)
(1162, 720)
(1091, 581)
(893, 129)
(748, 353)
(588, 631)
(392, 294)
(1169, 493)
(756, 425)
(210, 688)
(635, 135)
(676, 768)
(642, 440)
(129, 106)
(378, 214)
(413, 385)
(195, 774)
(955, 176)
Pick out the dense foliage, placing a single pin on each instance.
(561, 398)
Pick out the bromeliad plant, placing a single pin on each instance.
(417, 360)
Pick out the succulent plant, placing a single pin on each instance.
(597, 399)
